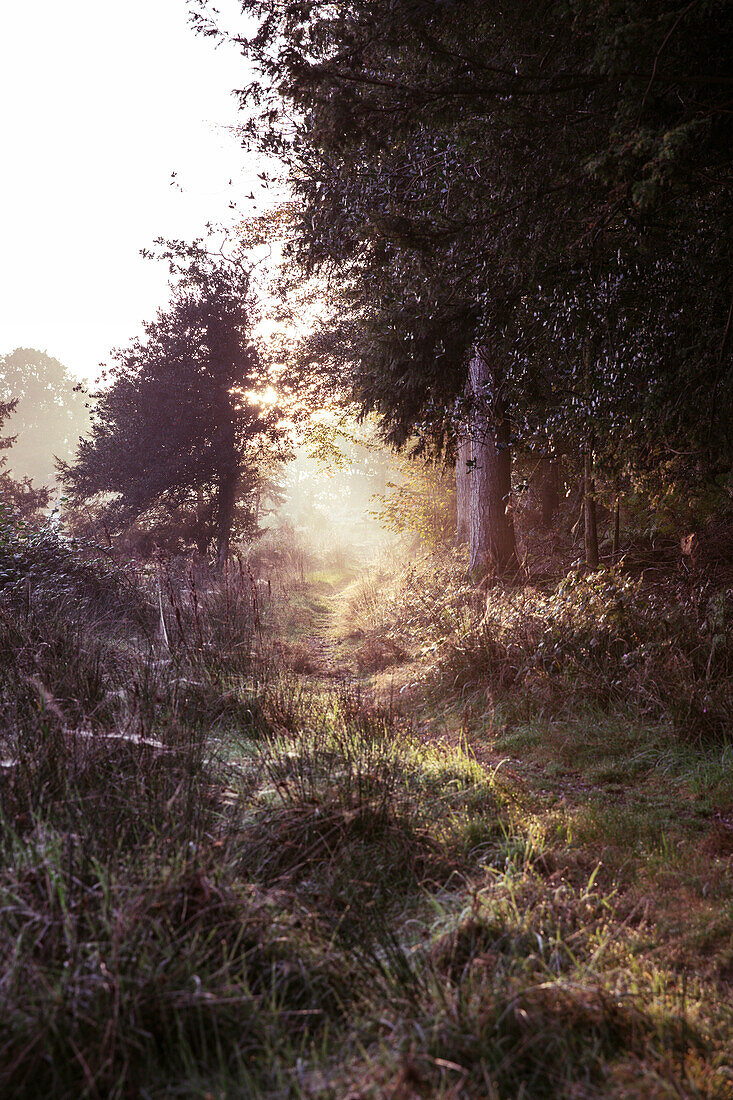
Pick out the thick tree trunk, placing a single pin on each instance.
(549, 491)
(493, 548)
(463, 488)
(589, 511)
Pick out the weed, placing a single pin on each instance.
(218, 876)
(601, 637)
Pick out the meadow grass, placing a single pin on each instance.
(223, 877)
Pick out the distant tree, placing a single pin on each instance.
(50, 412)
(18, 497)
(180, 439)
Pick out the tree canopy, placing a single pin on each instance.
(181, 435)
(49, 413)
(472, 172)
(550, 187)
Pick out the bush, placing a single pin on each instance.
(39, 559)
(400, 612)
(610, 637)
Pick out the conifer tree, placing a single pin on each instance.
(181, 426)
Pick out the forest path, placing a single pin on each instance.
(578, 765)
(603, 796)
(314, 643)
(327, 650)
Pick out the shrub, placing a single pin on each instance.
(609, 636)
(39, 559)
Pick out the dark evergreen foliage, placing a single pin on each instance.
(553, 181)
(180, 437)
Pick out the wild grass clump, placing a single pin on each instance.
(212, 622)
(543, 1041)
(97, 739)
(606, 637)
(360, 608)
(526, 991)
(124, 979)
(400, 612)
(341, 815)
(111, 725)
(375, 654)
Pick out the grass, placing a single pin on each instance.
(222, 875)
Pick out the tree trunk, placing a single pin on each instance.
(615, 550)
(223, 353)
(549, 491)
(463, 488)
(225, 513)
(589, 509)
(493, 548)
(202, 524)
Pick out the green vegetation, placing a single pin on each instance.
(445, 815)
(221, 876)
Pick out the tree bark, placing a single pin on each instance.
(589, 510)
(493, 548)
(463, 488)
(549, 491)
(226, 498)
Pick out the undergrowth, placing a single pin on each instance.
(608, 637)
(663, 651)
(218, 878)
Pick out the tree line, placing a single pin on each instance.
(521, 219)
(523, 215)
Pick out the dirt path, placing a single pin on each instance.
(542, 771)
(662, 846)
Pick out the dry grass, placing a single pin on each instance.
(218, 877)
(606, 638)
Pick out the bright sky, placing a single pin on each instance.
(100, 103)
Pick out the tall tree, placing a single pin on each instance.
(18, 497)
(492, 542)
(463, 175)
(181, 425)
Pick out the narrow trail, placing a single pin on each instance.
(647, 832)
(334, 659)
(566, 789)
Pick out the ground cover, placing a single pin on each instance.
(226, 875)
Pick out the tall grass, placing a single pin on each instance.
(217, 878)
(665, 651)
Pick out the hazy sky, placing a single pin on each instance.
(100, 102)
